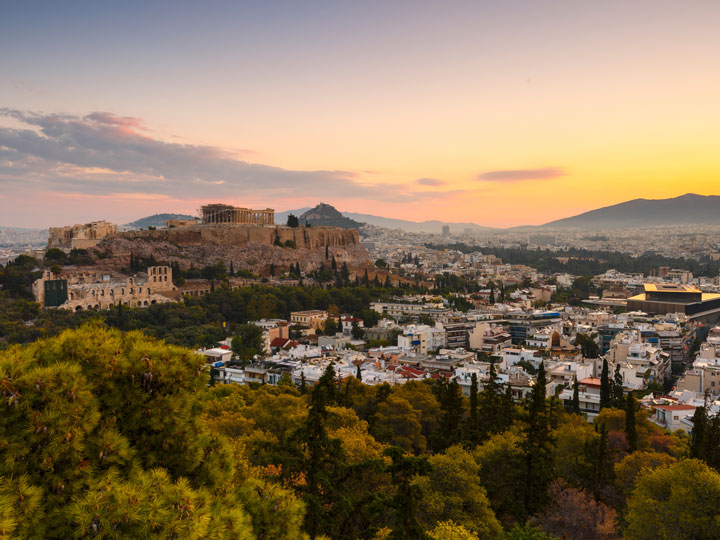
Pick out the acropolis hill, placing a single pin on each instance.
(247, 238)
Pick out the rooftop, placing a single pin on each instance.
(670, 288)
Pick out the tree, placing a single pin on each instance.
(318, 457)
(449, 530)
(700, 434)
(528, 532)
(473, 422)
(617, 388)
(358, 373)
(98, 428)
(630, 423)
(575, 516)
(687, 496)
(452, 491)
(605, 389)
(398, 424)
(55, 255)
(633, 465)
(331, 327)
(575, 407)
(587, 345)
(380, 263)
(501, 462)
(451, 404)
(495, 406)
(293, 221)
(403, 470)
(537, 447)
(356, 331)
(248, 341)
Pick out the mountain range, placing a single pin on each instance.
(688, 209)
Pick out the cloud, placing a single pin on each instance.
(430, 182)
(519, 175)
(102, 154)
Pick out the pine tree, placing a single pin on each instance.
(631, 423)
(576, 396)
(605, 390)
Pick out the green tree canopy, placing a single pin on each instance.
(681, 500)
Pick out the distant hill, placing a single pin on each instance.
(431, 226)
(281, 217)
(157, 220)
(326, 215)
(688, 209)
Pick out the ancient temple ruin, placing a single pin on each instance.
(219, 214)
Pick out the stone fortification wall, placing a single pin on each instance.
(238, 235)
(248, 247)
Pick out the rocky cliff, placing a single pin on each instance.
(248, 247)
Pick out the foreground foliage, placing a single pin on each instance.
(105, 434)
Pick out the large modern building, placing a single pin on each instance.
(662, 298)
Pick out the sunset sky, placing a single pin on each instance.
(498, 112)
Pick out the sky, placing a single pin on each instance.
(501, 113)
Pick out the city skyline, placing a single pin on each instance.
(499, 114)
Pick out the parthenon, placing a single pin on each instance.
(224, 213)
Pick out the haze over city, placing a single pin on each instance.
(500, 114)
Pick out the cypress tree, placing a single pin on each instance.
(451, 404)
(327, 251)
(323, 457)
(303, 383)
(618, 397)
(631, 423)
(358, 373)
(576, 396)
(699, 434)
(537, 448)
(605, 391)
(601, 463)
(495, 411)
(473, 423)
(407, 494)
(231, 273)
